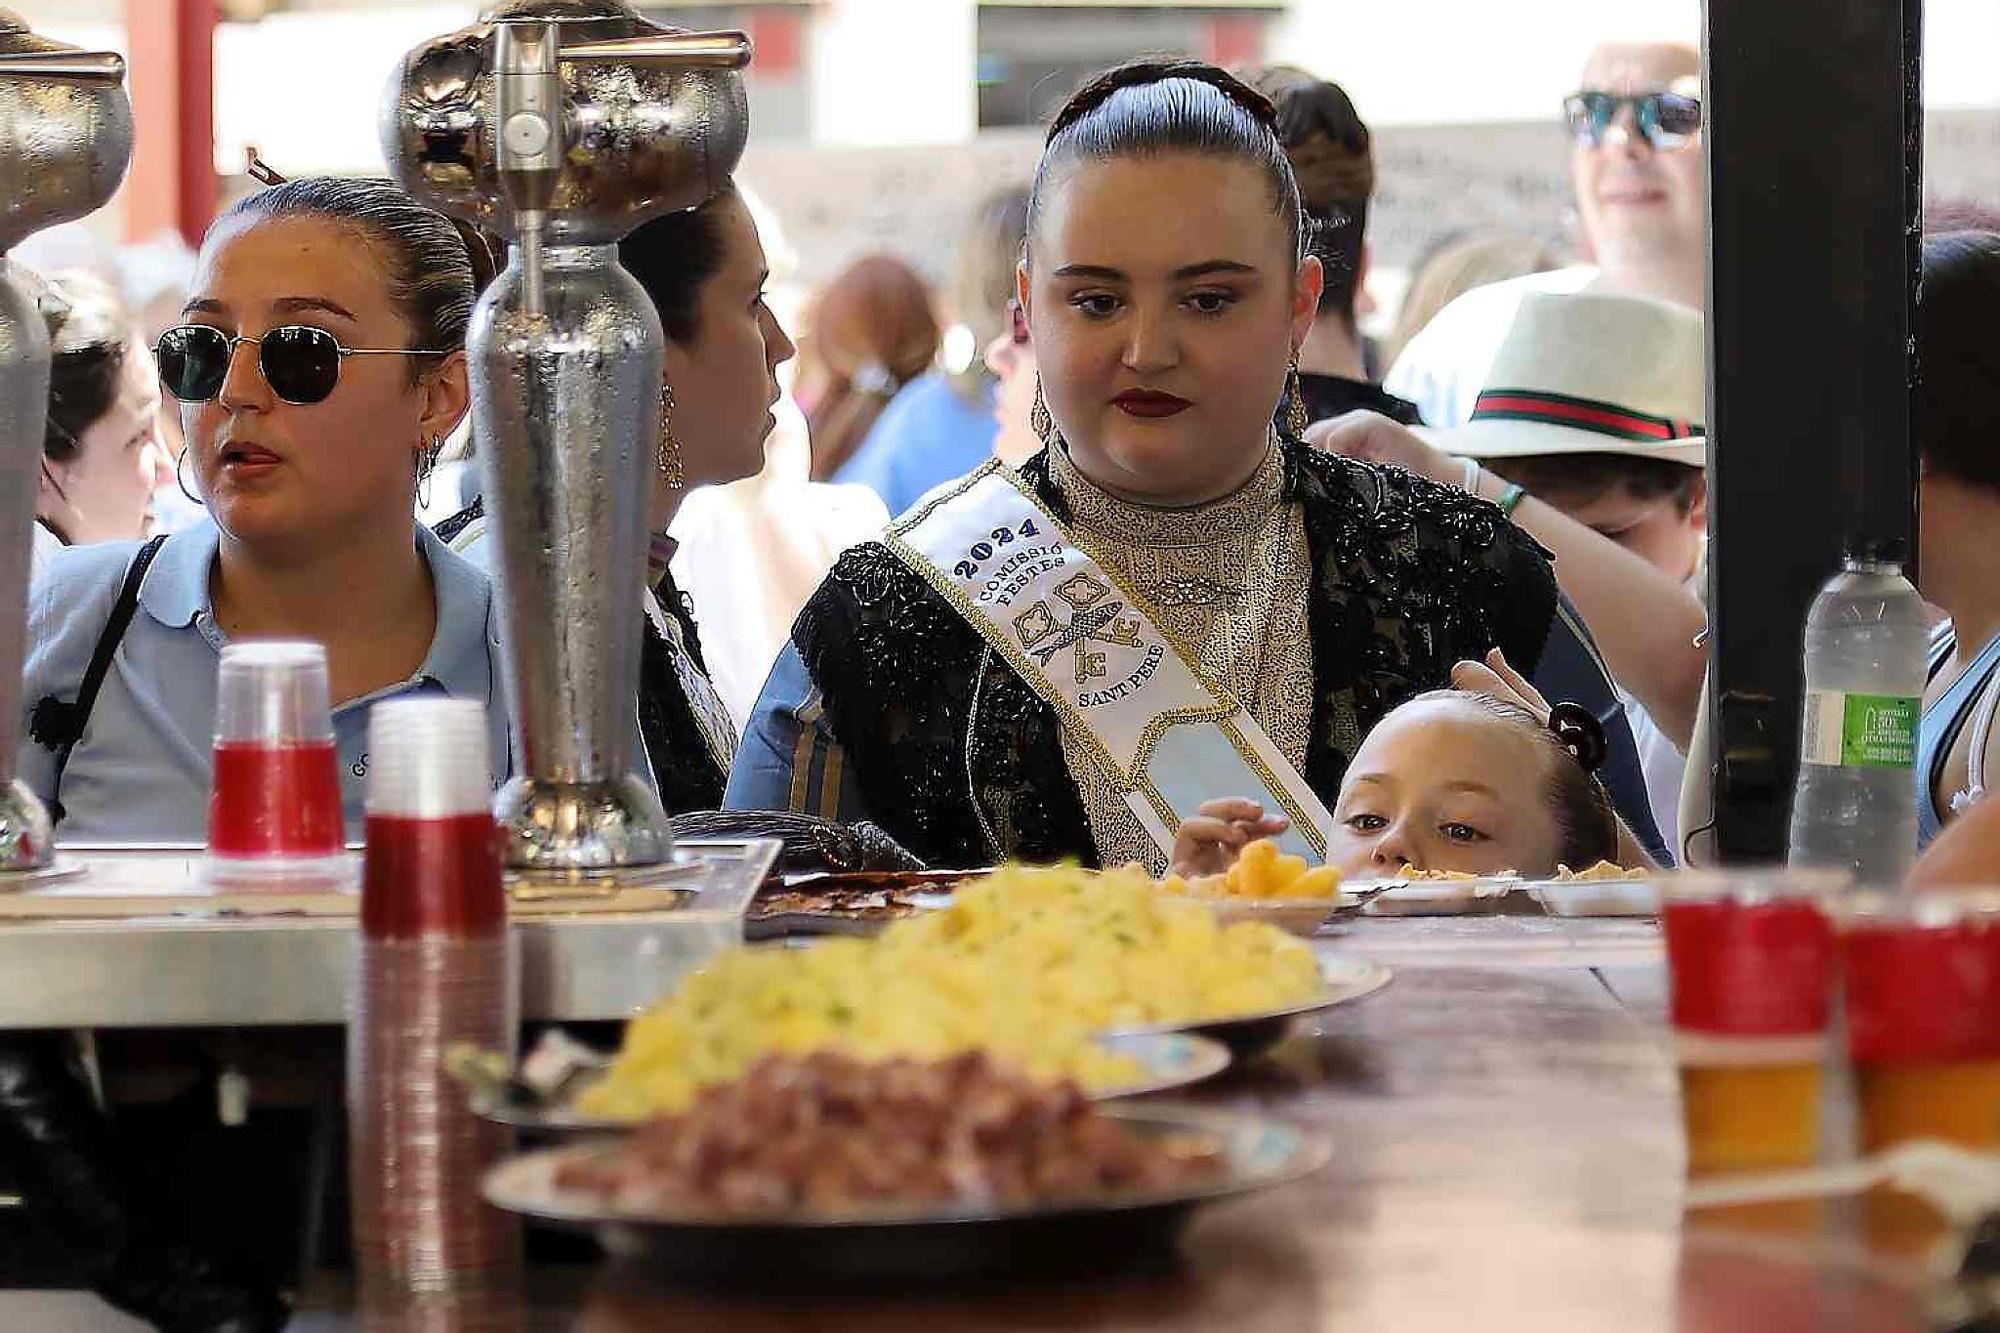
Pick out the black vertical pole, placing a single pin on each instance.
(1812, 114)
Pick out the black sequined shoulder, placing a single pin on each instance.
(949, 746)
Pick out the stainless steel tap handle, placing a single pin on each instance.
(83, 66)
(692, 50)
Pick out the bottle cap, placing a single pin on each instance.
(1878, 550)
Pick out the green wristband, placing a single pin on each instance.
(1511, 497)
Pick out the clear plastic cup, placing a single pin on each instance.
(274, 813)
(1921, 974)
(1751, 958)
(1921, 977)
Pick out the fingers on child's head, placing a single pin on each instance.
(1477, 678)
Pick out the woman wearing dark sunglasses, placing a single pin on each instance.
(319, 362)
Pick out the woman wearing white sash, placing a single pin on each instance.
(980, 704)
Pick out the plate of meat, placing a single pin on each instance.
(822, 1171)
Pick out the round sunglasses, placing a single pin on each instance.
(1665, 120)
(300, 363)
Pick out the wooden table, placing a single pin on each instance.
(1508, 1156)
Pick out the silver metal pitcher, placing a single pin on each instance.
(564, 124)
(65, 140)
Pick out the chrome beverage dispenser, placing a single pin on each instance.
(65, 139)
(564, 124)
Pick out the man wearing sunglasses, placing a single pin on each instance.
(1634, 127)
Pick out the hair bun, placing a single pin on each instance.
(1577, 730)
(1139, 73)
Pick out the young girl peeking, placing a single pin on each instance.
(1485, 779)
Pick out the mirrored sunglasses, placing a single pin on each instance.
(1665, 120)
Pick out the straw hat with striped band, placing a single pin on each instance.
(1584, 373)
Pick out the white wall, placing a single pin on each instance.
(1417, 62)
(894, 71)
(307, 88)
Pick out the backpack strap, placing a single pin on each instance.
(57, 725)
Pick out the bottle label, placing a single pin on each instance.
(1860, 730)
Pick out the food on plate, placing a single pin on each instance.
(1260, 871)
(1603, 870)
(1417, 876)
(840, 903)
(828, 1134)
(1026, 964)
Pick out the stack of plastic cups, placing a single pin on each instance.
(435, 968)
(274, 817)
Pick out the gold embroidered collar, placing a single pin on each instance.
(1097, 511)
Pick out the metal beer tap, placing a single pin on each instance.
(65, 139)
(565, 124)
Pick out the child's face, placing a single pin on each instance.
(1654, 529)
(1443, 785)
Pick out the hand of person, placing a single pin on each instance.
(1208, 843)
(1373, 438)
(1496, 679)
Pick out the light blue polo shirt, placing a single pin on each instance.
(142, 770)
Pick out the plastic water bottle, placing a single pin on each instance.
(1855, 806)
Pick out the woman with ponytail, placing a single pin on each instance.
(319, 367)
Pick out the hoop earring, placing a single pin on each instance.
(1039, 420)
(1296, 419)
(668, 454)
(427, 461)
(181, 481)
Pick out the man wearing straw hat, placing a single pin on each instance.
(1636, 165)
(1588, 435)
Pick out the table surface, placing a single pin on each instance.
(195, 969)
(1508, 1155)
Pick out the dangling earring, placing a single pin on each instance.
(669, 456)
(1039, 420)
(1296, 419)
(427, 461)
(181, 481)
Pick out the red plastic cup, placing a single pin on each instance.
(1752, 963)
(1922, 979)
(433, 865)
(274, 813)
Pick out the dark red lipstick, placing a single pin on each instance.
(1150, 403)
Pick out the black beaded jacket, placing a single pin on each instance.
(962, 762)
